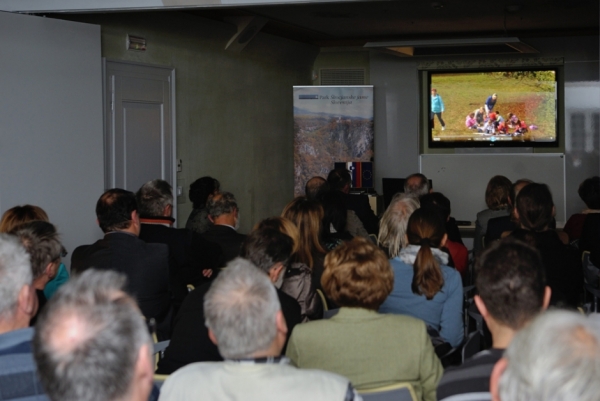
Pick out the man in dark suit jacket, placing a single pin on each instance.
(340, 180)
(223, 212)
(145, 265)
(193, 259)
(267, 249)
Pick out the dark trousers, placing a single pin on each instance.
(439, 116)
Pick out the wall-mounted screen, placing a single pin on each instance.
(493, 108)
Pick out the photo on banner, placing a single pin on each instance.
(332, 124)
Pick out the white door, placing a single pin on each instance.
(140, 133)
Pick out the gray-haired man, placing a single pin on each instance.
(224, 213)
(244, 319)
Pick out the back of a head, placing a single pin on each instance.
(266, 247)
(438, 202)
(392, 227)
(426, 229)
(284, 226)
(42, 243)
(88, 339)
(535, 207)
(153, 197)
(416, 184)
(338, 179)
(589, 192)
(335, 211)
(358, 274)
(314, 187)
(114, 209)
(15, 272)
(307, 215)
(201, 189)
(19, 215)
(511, 282)
(240, 309)
(555, 358)
(499, 193)
(222, 203)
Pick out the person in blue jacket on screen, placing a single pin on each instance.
(437, 107)
(490, 103)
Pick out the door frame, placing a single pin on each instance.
(109, 146)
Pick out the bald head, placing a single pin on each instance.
(314, 187)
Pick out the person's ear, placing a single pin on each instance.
(51, 269)
(211, 219)
(275, 272)
(168, 211)
(547, 296)
(444, 240)
(281, 324)
(481, 306)
(499, 368)
(553, 211)
(144, 371)
(212, 337)
(27, 301)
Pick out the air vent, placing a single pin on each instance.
(342, 76)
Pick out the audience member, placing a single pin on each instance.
(340, 180)
(193, 258)
(392, 230)
(18, 304)
(335, 217)
(555, 358)
(459, 254)
(41, 242)
(200, 191)
(500, 227)
(91, 343)
(267, 249)
(244, 319)
(424, 286)
(24, 214)
(370, 349)
(145, 265)
(223, 212)
(417, 185)
(535, 211)
(512, 291)
(589, 192)
(297, 280)
(498, 198)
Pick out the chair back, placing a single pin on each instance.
(159, 380)
(472, 345)
(394, 392)
(323, 300)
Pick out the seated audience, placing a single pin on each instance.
(193, 259)
(417, 185)
(91, 343)
(18, 305)
(555, 358)
(424, 286)
(24, 214)
(267, 249)
(307, 216)
(512, 291)
(335, 217)
(392, 231)
(459, 254)
(370, 349)
(315, 187)
(535, 211)
(223, 212)
(297, 280)
(589, 192)
(340, 180)
(200, 190)
(145, 265)
(244, 319)
(498, 198)
(41, 242)
(500, 227)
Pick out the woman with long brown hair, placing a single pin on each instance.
(424, 287)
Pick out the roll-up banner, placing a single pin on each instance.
(332, 124)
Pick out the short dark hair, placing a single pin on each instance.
(534, 205)
(265, 247)
(511, 282)
(438, 202)
(114, 209)
(153, 197)
(338, 178)
(589, 192)
(41, 241)
(201, 189)
(314, 187)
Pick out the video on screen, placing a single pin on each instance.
(493, 106)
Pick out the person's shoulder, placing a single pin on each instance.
(315, 376)
(451, 275)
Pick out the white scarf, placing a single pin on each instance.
(409, 254)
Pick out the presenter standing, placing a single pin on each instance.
(437, 107)
(490, 103)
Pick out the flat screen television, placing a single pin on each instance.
(493, 108)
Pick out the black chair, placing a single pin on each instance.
(591, 281)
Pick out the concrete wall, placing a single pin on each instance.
(234, 110)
